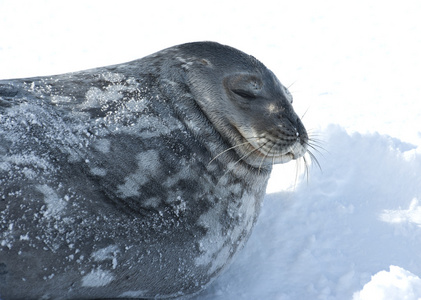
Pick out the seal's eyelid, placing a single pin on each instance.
(247, 89)
(244, 94)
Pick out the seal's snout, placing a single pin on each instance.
(301, 132)
(301, 135)
(293, 125)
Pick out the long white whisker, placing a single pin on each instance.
(233, 147)
(236, 146)
(306, 166)
(241, 158)
(264, 157)
(313, 157)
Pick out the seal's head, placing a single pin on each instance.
(246, 103)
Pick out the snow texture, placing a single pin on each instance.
(397, 284)
(97, 278)
(326, 237)
(350, 231)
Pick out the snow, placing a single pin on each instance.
(397, 284)
(349, 231)
(324, 238)
(55, 205)
(97, 278)
(109, 252)
(133, 182)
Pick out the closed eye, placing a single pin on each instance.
(245, 94)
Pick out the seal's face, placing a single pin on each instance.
(246, 104)
(269, 131)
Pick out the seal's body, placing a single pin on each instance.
(137, 180)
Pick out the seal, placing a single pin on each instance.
(138, 180)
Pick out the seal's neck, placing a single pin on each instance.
(219, 150)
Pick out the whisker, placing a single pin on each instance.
(316, 148)
(313, 134)
(236, 146)
(316, 145)
(306, 166)
(233, 147)
(261, 162)
(241, 158)
(291, 84)
(297, 171)
(313, 157)
(302, 117)
(315, 137)
(273, 160)
(316, 142)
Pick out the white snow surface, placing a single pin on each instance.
(397, 284)
(349, 231)
(326, 237)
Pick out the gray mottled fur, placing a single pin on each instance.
(106, 185)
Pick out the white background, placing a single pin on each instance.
(354, 64)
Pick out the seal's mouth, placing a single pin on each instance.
(278, 151)
(268, 149)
